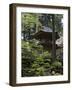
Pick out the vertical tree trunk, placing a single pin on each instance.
(53, 39)
(37, 17)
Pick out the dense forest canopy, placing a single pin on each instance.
(32, 22)
(37, 61)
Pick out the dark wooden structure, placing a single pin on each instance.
(45, 37)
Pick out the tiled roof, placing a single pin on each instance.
(47, 29)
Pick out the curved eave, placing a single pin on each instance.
(44, 35)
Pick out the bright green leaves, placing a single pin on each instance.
(38, 62)
(28, 21)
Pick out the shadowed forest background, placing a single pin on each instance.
(37, 44)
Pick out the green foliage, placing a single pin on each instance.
(57, 64)
(37, 61)
(28, 20)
